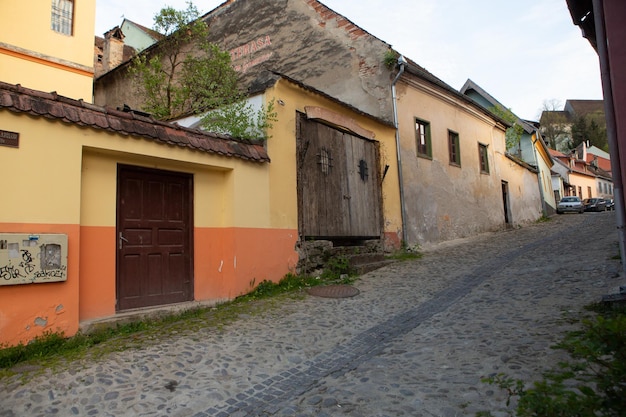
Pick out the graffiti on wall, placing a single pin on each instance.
(26, 259)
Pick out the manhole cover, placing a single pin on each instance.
(333, 291)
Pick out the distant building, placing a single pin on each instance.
(120, 44)
(602, 23)
(111, 51)
(556, 125)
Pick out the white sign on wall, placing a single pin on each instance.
(32, 258)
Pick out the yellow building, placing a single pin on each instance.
(357, 197)
(146, 213)
(48, 45)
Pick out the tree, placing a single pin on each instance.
(554, 125)
(513, 133)
(186, 74)
(590, 128)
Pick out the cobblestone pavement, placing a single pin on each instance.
(416, 341)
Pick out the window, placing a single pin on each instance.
(453, 148)
(324, 160)
(482, 157)
(422, 134)
(62, 14)
(589, 192)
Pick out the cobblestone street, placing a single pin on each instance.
(416, 341)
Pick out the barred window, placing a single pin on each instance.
(62, 16)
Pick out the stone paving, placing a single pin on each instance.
(415, 341)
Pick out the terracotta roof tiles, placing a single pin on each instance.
(50, 105)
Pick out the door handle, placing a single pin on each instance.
(122, 239)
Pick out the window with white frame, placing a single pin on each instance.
(62, 16)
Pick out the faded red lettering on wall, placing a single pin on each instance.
(250, 47)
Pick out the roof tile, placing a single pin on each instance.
(23, 100)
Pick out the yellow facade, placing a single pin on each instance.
(65, 182)
(36, 56)
(544, 165)
(583, 185)
(282, 150)
(245, 218)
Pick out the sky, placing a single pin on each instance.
(523, 53)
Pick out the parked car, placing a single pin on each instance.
(610, 204)
(594, 204)
(571, 204)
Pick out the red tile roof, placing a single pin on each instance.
(51, 105)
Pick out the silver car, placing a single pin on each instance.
(571, 204)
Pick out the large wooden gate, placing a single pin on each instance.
(339, 193)
(154, 237)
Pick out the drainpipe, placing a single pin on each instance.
(401, 64)
(544, 210)
(611, 128)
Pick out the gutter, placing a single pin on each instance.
(401, 63)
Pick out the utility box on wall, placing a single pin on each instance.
(32, 258)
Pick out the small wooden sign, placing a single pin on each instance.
(11, 139)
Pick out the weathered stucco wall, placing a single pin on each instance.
(524, 199)
(299, 38)
(445, 201)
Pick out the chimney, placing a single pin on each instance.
(113, 51)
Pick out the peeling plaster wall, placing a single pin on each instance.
(444, 201)
(299, 38)
(524, 197)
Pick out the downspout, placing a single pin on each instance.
(611, 128)
(544, 210)
(401, 63)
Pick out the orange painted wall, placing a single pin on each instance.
(228, 260)
(51, 306)
(97, 272)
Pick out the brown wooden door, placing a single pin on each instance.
(338, 183)
(154, 237)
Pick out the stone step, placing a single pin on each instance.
(372, 266)
(364, 258)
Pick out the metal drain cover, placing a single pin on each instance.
(333, 291)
